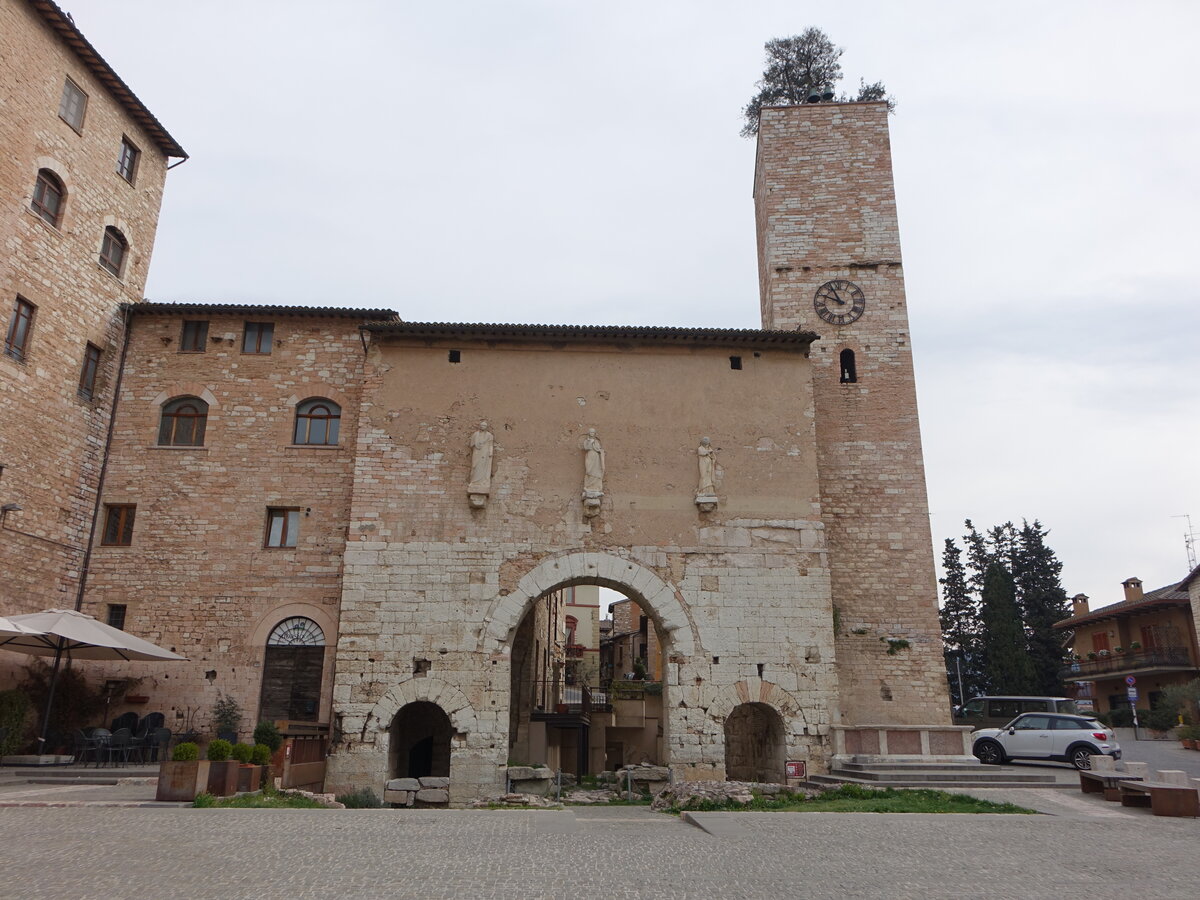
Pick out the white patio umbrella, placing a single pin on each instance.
(67, 633)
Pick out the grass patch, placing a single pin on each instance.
(257, 801)
(854, 798)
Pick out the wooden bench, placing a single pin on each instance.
(1108, 783)
(1164, 799)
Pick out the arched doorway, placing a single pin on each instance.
(292, 666)
(754, 744)
(587, 683)
(420, 741)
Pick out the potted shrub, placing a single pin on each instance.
(226, 717)
(222, 771)
(1092, 655)
(183, 776)
(1189, 736)
(1135, 645)
(260, 756)
(247, 775)
(266, 733)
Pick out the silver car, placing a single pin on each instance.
(1073, 739)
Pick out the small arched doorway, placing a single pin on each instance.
(419, 744)
(292, 666)
(754, 746)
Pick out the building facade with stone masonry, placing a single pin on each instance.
(829, 260)
(238, 515)
(343, 518)
(81, 183)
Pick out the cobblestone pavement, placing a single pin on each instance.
(611, 852)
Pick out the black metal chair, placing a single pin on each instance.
(151, 721)
(140, 742)
(96, 745)
(125, 720)
(156, 745)
(118, 745)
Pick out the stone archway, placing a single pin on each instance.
(660, 600)
(419, 741)
(450, 699)
(755, 744)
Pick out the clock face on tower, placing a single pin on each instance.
(839, 302)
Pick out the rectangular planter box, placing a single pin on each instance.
(249, 779)
(181, 781)
(223, 778)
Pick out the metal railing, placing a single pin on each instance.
(1115, 663)
(558, 697)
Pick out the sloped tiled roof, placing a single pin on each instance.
(1171, 595)
(242, 309)
(784, 340)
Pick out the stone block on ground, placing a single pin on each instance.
(403, 798)
(435, 781)
(433, 795)
(406, 784)
(527, 773)
(1172, 776)
(1101, 763)
(1137, 768)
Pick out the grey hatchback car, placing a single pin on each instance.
(1073, 739)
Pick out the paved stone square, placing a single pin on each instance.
(611, 852)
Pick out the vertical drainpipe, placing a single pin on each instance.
(112, 420)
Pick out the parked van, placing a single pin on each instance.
(992, 712)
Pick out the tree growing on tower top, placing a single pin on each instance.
(803, 68)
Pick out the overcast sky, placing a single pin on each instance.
(572, 162)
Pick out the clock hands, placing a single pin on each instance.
(839, 300)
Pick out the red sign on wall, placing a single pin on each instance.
(795, 768)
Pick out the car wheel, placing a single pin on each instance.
(989, 753)
(1081, 757)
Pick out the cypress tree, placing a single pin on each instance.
(1042, 601)
(1007, 666)
(960, 625)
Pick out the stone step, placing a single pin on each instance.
(956, 775)
(932, 780)
(909, 767)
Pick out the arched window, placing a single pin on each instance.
(295, 657)
(183, 421)
(296, 632)
(113, 250)
(48, 196)
(849, 372)
(317, 422)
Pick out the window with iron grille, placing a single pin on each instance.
(112, 251)
(127, 160)
(118, 525)
(73, 105)
(183, 422)
(193, 337)
(317, 422)
(16, 343)
(48, 195)
(116, 615)
(283, 526)
(257, 337)
(91, 367)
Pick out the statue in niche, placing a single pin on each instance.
(706, 492)
(593, 473)
(480, 485)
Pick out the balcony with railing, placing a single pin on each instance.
(1158, 659)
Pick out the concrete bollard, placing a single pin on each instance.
(1103, 764)
(1172, 776)
(1137, 768)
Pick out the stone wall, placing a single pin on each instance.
(740, 595)
(52, 437)
(826, 210)
(197, 577)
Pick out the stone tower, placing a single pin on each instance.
(829, 262)
(81, 183)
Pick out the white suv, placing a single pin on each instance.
(1072, 739)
